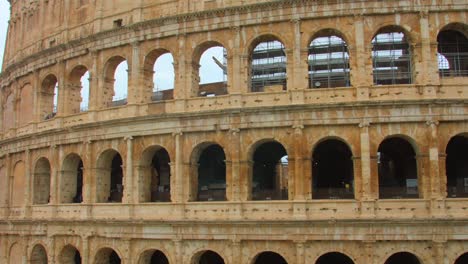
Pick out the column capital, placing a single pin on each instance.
(364, 124)
(128, 138)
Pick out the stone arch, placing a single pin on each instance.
(15, 254)
(332, 170)
(462, 259)
(267, 64)
(456, 168)
(334, 258)
(328, 60)
(269, 171)
(109, 170)
(112, 94)
(392, 60)
(71, 179)
(200, 62)
(8, 111)
(19, 184)
(207, 257)
(76, 90)
(107, 255)
(155, 175)
(397, 168)
(48, 99)
(268, 257)
(26, 104)
(41, 181)
(38, 255)
(208, 172)
(150, 69)
(70, 255)
(452, 50)
(153, 256)
(403, 257)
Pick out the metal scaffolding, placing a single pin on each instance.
(391, 59)
(268, 66)
(328, 63)
(452, 54)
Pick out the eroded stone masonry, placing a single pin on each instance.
(336, 132)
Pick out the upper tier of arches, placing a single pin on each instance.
(269, 62)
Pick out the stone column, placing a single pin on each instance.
(236, 248)
(88, 179)
(178, 251)
(9, 183)
(427, 70)
(36, 96)
(245, 190)
(61, 97)
(234, 179)
(360, 61)
(439, 252)
(135, 86)
(299, 176)
(369, 184)
(177, 174)
(129, 193)
(28, 186)
(85, 257)
(437, 190)
(299, 75)
(367, 253)
(94, 82)
(300, 252)
(54, 169)
(234, 64)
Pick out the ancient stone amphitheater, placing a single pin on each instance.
(337, 134)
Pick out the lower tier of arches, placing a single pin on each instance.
(137, 242)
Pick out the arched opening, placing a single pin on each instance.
(38, 255)
(78, 90)
(48, 97)
(26, 105)
(268, 65)
(210, 257)
(328, 62)
(155, 175)
(41, 185)
(19, 183)
(391, 57)
(70, 255)
(398, 177)
(107, 256)
(153, 257)
(463, 259)
(213, 70)
(452, 48)
(332, 171)
(456, 165)
(16, 254)
(115, 82)
(163, 77)
(269, 257)
(334, 258)
(110, 186)
(402, 257)
(8, 112)
(71, 183)
(270, 172)
(211, 178)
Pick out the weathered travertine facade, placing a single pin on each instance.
(61, 200)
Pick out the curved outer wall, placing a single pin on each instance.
(53, 40)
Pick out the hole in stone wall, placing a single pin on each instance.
(334, 258)
(38, 255)
(402, 257)
(210, 257)
(213, 72)
(41, 182)
(456, 165)
(268, 66)
(452, 51)
(270, 257)
(161, 177)
(463, 259)
(163, 78)
(212, 174)
(116, 186)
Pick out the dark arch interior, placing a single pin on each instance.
(270, 172)
(210, 257)
(270, 258)
(453, 46)
(456, 165)
(79, 183)
(159, 258)
(114, 258)
(332, 171)
(212, 174)
(77, 257)
(161, 177)
(397, 169)
(402, 258)
(463, 259)
(335, 258)
(39, 255)
(116, 188)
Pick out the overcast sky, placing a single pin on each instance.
(4, 16)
